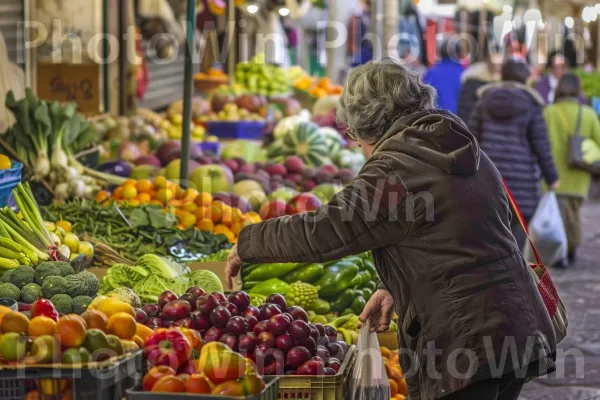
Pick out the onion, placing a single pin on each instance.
(129, 151)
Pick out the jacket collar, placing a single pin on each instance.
(512, 85)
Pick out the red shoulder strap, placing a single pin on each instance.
(515, 207)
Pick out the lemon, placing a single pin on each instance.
(5, 162)
(72, 242)
(86, 248)
(66, 225)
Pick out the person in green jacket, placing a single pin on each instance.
(561, 120)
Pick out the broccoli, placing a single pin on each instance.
(76, 286)
(63, 303)
(81, 303)
(9, 291)
(30, 293)
(65, 268)
(44, 270)
(5, 278)
(90, 282)
(22, 276)
(54, 285)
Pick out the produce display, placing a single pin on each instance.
(262, 78)
(341, 287)
(46, 137)
(317, 87)
(391, 361)
(589, 83)
(45, 337)
(151, 276)
(127, 233)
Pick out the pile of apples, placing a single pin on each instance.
(277, 338)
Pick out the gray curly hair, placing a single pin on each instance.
(377, 94)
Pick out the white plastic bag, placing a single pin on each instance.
(547, 232)
(369, 380)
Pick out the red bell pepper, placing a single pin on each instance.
(169, 348)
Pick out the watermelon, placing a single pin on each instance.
(306, 142)
(333, 138)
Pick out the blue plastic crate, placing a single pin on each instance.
(209, 148)
(9, 179)
(250, 130)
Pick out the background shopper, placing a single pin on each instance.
(561, 119)
(445, 76)
(476, 76)
(546, 86)
(510, 126)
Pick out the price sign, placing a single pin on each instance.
(79, 83)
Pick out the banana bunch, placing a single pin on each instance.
(347, 326)
(12, 254)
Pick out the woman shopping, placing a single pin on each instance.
(432, 208)
(564, 118)
(508, 122)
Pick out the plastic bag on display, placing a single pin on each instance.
(369, 380)
(547, 232)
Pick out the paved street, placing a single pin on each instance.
(579, 288)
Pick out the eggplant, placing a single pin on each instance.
(119, 168)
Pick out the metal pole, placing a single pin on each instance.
(187, 91)
(230, 33)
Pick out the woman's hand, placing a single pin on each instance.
(555, 186)
(234, 264)
(379, 310)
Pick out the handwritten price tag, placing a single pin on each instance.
(70, 82)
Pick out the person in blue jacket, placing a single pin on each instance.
(445, 76)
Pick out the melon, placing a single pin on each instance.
(212, 178)
(173, 169)
(333, 138)
(246, 186)
(306, 142)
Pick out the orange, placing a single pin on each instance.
(224, 230)
(236, 228)
(122, 325)
(236, 215)
(253, 216)
(402, 387)
(102, 196)
(190, 207)
(66, 225)
(169, 384)
(204, 199)
(133, 202)
(393, 387)
(94, 319)
(139, 341)
(216, 211)
(160, 182)
(400, 397)
(70, 331)
(16, 322)
(144, 186)
(227, 214)
(188, 220)
(129, 192)
(41, 325)
(154, 375)
(385, 352)
(197, 384)
(157, 202)
(164, 195)
(205, 225)
(143, 331)
(202, 212)
(190, 196)
(144, 198)
(130, 182)
(118, 193)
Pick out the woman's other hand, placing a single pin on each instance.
(234, 264)
(379, 310)
(555, 185)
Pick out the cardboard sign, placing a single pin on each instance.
(70, 82)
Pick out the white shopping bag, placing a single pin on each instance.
(369, 380)
(547, 232)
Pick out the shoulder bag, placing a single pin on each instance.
(545, 285)
(583, 153)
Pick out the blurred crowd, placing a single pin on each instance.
(524, 125)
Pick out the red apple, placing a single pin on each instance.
(302, 203)
(272, 209)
